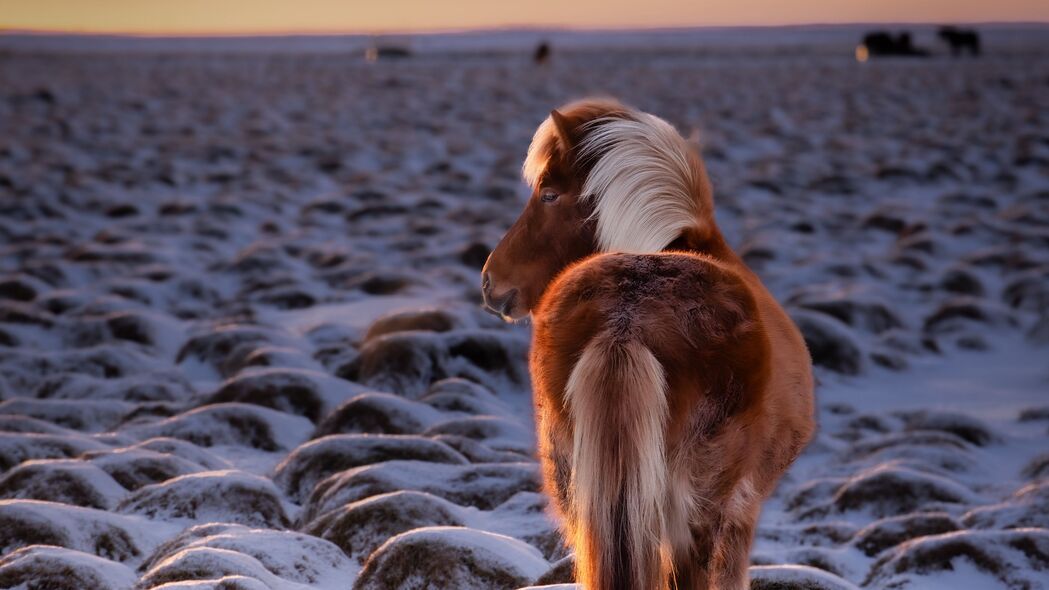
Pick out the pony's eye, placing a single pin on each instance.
(548, 196)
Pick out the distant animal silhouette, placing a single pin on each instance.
(386, 52)
(883, 43)
(671, 390)
(961, 40)
(542, 53)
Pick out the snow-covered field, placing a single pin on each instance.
(241, 345)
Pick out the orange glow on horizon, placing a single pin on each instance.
(245, 17)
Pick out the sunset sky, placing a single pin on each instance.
(318, 16)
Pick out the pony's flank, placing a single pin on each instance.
(645, 183)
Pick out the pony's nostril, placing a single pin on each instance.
(507, 304)
(486, 282)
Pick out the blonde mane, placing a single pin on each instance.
(646, 183)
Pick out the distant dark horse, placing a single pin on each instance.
(542, 53)
(881, 43)
(961, 40)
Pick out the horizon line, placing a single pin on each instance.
(223, 34)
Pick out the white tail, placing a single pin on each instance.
(616, 396)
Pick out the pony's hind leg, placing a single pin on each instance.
(555, 456)
(690, 523)
(692, 566)
(731, 557)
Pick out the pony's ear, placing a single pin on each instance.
(563, 127)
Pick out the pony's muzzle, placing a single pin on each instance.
(501, 305)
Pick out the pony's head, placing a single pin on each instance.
(604, 178)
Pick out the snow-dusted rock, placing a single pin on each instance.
(43, 566)
(483, 485)
(359, 528)
(971, 429)
(887, 490)
(451, 557)
(206, 563)
(890, 532)
(210, 496)
(495, 432)
(462, 396)
(16, 447)
(84, 415)
(134, 467)
(379, 413)
(292, 557)
(402, 362)
(795, 577)
(1025, 508)
(310, 463)
(112, 536)
(1010, 559)
(222, 348)
(429, 320)
(295, 391)
(231, 424)
(62, 480)
(830, 342)
(865, 314)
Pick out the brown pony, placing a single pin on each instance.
(671, 390)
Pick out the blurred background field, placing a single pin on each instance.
(240, 336)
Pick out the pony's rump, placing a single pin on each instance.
(616, 397)
(665, 349)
